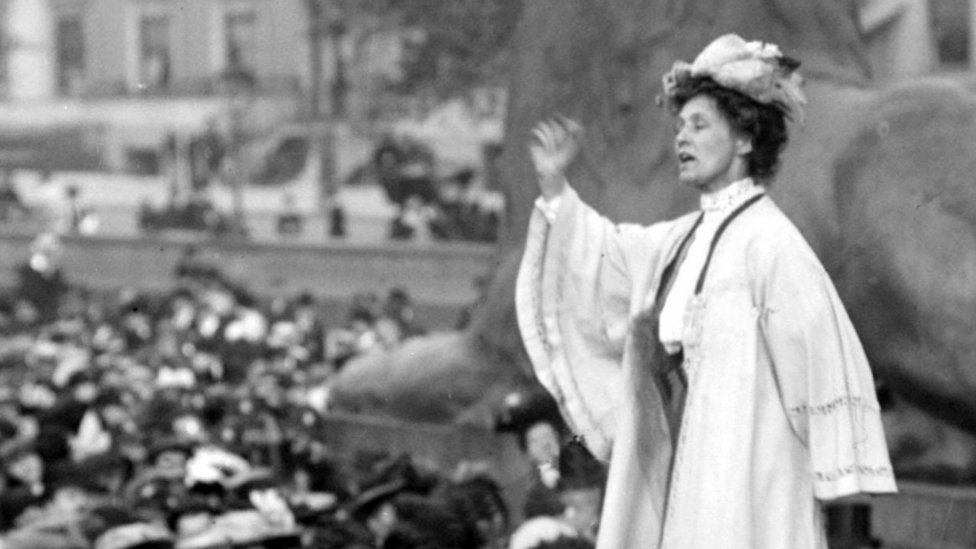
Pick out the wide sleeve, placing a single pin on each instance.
(577, 281)
(823, 375)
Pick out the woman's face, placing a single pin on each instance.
(710, 155)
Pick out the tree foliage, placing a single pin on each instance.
(460, 44)
(449, 47)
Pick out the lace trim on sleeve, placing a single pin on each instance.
(835, 405)
(849, 470)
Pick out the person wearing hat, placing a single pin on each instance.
(580, 489)
(535, 419)
(424, 522)
(390, 478)
(58, 520)
(710, 353)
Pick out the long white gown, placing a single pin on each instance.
(780, 411)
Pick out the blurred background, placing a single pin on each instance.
(229, 116)
(274, 242)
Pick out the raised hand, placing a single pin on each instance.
(555, 144)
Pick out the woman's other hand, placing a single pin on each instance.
(555, 144)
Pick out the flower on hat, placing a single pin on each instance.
(764, 50)
(756, 69)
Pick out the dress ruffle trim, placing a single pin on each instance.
(853, 470)
(835, 405)
(538, 293)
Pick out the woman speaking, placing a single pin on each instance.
(707, 358)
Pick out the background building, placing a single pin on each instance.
(177, 47)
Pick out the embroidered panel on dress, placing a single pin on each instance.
(694, 326)
(538, 315)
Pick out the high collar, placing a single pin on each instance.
(728, 198)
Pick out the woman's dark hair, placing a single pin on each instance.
(764, 125)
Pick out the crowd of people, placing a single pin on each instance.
(428, 207)
(192, 419)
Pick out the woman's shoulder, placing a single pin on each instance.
(670, 231)
(765, 220)
(767, 230)
(684, 223)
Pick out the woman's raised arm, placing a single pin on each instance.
(555, 144)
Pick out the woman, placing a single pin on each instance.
(709, 355)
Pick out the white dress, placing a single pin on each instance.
(780, 411)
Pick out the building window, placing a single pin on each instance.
(951, 26)
(154, 51)
(70, 54)
(240, 41)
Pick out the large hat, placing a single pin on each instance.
(756, 69)
(392, 477)
(368, 500)
(524, 408)
(242, 528)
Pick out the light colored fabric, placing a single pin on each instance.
(539, 530)
(730, 197)
(780, 410)
(549, 206)
(716, 207)
(584, 312)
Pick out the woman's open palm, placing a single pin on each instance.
(555, 144)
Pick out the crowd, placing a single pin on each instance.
(456, 208)
(190, 420)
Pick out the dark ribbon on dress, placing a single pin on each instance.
(718, 234)
(668, 370)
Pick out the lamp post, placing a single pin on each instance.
(315, 33)
(238, 88)
(327, 25)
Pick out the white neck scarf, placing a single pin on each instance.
(716, 206)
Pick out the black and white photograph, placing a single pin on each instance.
(487, 274)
